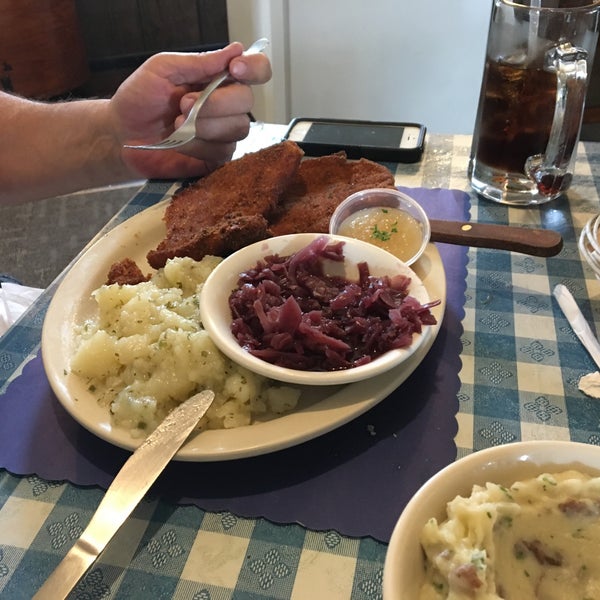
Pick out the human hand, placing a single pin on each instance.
(155, 99)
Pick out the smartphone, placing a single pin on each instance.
(375, 140)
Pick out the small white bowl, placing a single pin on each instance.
(216, 314)
(404, 567)
(384, 198)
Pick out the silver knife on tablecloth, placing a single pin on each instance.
(577, 321)
(124, 494)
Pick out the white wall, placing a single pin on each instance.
(249, 20)
(406, 60)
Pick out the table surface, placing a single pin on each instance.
(520, 368)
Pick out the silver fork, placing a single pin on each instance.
(187, 130)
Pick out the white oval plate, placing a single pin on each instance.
(216, 314)
(321, 409)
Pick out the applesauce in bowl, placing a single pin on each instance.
(384, 217)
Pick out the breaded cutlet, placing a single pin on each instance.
(229, 208)
(266, 193)
(319, 185)
(126, 271)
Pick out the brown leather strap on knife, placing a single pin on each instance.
(527, 240)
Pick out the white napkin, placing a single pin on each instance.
(260, 136)
(15, 299)
(590, 384)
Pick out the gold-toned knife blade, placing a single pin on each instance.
(126, 491)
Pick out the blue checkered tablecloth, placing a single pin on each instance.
(520, 368)
(521, 360)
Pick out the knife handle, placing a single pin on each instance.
(527, 240)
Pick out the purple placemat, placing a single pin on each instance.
(355, 480)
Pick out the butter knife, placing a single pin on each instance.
(124, 494)
(577, 321)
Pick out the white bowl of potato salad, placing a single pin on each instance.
(518, 521)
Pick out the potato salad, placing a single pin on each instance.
(537, 539)
(145, 352)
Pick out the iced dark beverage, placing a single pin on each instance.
(516, 116)
(538, 57)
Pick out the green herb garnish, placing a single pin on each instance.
(383, 235)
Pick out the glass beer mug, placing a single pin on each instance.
(538, 56)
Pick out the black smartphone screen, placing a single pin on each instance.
(375, 140)
(354, 134)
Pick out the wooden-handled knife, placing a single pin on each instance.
(528, 240)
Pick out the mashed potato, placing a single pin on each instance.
(146, 352)
(537, 539)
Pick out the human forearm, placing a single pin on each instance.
(48, 149)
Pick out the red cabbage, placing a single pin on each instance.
(288, 312)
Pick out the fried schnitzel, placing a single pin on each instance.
(262, 194)
(229, 208)
(319, 185)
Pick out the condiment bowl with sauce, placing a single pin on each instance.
(392, 220)
(251, 261)
(384, 217)
(520, 531)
